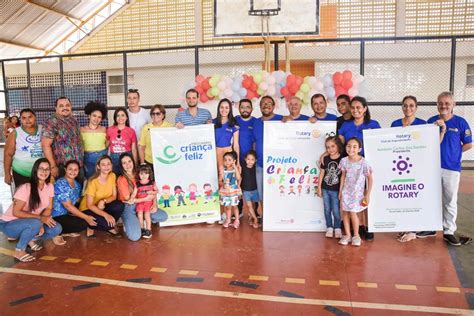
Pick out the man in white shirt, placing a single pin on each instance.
(137, 116)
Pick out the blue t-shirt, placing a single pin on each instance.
(224, 134)
(349, 129)
(399, 122)
(457, 134)
(245, 135)
(63, 192)
(302, 117)
(203, 116)
(328, 117)
(258, 137)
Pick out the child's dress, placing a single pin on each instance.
(142, 191)
(354, 185)
(230, 191)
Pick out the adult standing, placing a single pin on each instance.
(457, 139)
(319, 106)
(100, 198)
(267, 107)
(68, 192)
(409, 107)
(245, 121)
(22, 149)
(94, 136)
(294, 107)
(226, 132)
(126, 184)
(138, 116)
(121, 138)
(158, 116)
(29, 217)
(192, 115)
(343, 103)
(61, 139)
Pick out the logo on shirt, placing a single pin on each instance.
(168, 156)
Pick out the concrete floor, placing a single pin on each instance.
(206, 270)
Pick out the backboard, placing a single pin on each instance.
(244, 17)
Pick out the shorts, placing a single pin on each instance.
(251, 196)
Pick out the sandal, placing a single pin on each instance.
(71, 235)
(11, 239)
(236, 224)
(25, 258)
(90, 233)
(407, 237)
(59, 240)
(113, 232)
(226, 223)
(35, 246)
(255, 224)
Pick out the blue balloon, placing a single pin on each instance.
(330, 92)
(236, 86)
(243, 92)
(235, 97)
(327, 80)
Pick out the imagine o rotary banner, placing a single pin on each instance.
(291, 173)
(186, 173)
(406, 193)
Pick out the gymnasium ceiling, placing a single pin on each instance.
(50, 27)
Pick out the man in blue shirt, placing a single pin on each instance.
(319, 106)
(192, 115)
(245, 121)
(457, 139)
(267, 106)
(294, 107)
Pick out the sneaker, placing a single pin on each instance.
(223, 219)
(368, 236)
(338, 233)
(362, 232)
(147, 234)
(143, 231)
(425, 234)
(329, 232)
(345, 240)
(356, 241)
(451, 239)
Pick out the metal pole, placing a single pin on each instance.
(61, 74)
(28, 79)
(125, 77)
(453, 65)
(196, 61)
(7, 105)
(362, 57)
(276, 60)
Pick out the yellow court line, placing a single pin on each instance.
(258, 278)
(295, 280)
(329, 282)
(128, 266)
(48, 258)
(407, 287)
(158, 269)
(7, 252)
(367, 285)
(99, 263)
(447, 289)
(248, 296)
(188, 272)
(72, 260)
(223, 275)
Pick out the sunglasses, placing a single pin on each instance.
(156, 113)
(133, 90)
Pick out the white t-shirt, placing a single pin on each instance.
(138, 120)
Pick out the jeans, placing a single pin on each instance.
(90, 159)
(132, 225)
(116, 162)
(450, 186)
(331, 208)
(25, 230)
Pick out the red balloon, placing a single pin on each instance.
(200, 78)
(205, 85)
(299, 81)
(347, 74)
(290, 79)
(347, 84)
(340, 90)
(337, 78)
(199, 89)
(284, 91)
(203, 98)
(254, 86)
(246, 83)
(293, 88)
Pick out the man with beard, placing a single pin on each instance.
(245, 121)
(192, 115)
(267, 106)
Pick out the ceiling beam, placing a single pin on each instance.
(21, 45)
(62, 14)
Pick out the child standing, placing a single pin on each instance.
(329, 184)
(249, 185)
(353, 193)
(145, 186)
(230, 188)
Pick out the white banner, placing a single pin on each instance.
(406, 193)
(186, 173)
(290, 174)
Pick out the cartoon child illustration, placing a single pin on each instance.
(308, 189)
(315, 190)
(192, 193)
(292, 190)
(179, 195)
(166, 195)
(282, 190)
(300, 188)
(207, 192)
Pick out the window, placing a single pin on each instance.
(116, 83)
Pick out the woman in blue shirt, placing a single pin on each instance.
(226, 131)
(409, 107)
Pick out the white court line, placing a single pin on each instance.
(255, 297)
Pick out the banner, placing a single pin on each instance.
(291, 172)
(406, 193)
(185, 167)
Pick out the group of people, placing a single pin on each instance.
(117, 162)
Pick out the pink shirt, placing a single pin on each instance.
(124, 142)
(23, 194)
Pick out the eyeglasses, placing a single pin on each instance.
(133, 90)
(119, 134)
(156, 113)
(44, 169)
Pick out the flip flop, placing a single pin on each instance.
(36, 246)
(71, 235)
(58, 240)
(25, 258)
(407, 237)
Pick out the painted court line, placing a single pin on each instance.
(447, 289)
(367, 285)
(329, 282)
(48, 258)
(158, 269)
(128, 266)
(295, 280)
(258, 278)
(255, 297)
(99, 263)
(406, 287)
(223, 275)
(188, 272)
(72, 260)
